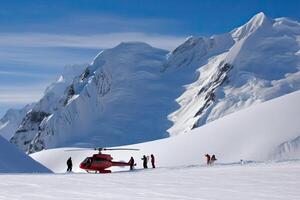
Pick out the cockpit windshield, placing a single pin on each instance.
(87, 160)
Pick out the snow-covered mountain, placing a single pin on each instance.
(49, 103)
(10, 122)
(253, 63)
(122, 97)
(134, 92)
(13, 160)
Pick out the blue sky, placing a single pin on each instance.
(38, 37)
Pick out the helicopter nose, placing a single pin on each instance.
(81, 165)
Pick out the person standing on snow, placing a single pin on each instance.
(207, 159)
(145, 162)
(131, 162)
(213, 159)
(69, 164)
(152, 161)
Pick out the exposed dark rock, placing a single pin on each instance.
(85, 74)
(37, 117)
(36, 145)
(30, 123)
(209, 90)
(70, 92)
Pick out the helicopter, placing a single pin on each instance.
(98, 163)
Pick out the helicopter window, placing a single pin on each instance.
(98, 159)
(87, 160)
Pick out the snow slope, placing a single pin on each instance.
(278, 181)
(13, 160)
(256, 133)
(135, 93)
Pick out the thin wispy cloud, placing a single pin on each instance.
(24, 74)
(105, 23)
(35, 51)
(20, 94)
(100, 41)
(92, 23)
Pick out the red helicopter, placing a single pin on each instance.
(100, 162)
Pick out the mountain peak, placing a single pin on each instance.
(190, 44)
(133, 48)
(259, 17)
(258, 21)
(132, 44)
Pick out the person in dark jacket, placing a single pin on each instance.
(145, 162)
(212, 159)
(131, 162)
(207, 159)
(152, 161)
(69, 164)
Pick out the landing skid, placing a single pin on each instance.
(100, 171)
(91, 172)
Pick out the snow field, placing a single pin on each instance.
(225, 182)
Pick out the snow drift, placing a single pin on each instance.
(256, 133)
(13, 160)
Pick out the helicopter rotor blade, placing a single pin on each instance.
(112, 149)
(103, 149)
(89, 149)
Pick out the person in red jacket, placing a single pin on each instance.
(152, 161)
(207, 159)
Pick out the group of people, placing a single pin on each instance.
(210, 159)
(145, 160)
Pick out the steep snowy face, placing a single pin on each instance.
(121, 98)
(262, 62)
(196, 50)
(10, 122)
(23, 129)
